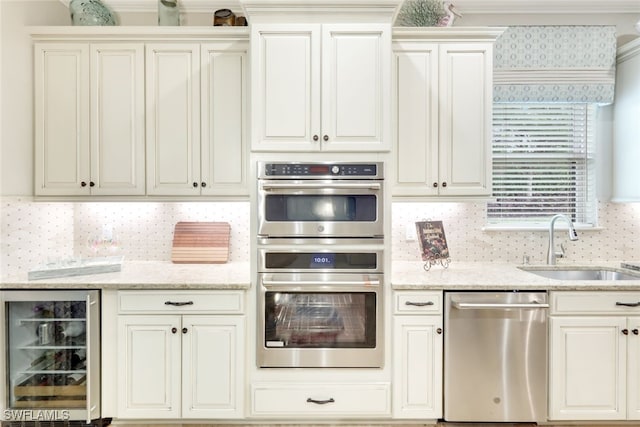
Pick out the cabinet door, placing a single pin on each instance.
(117, 119)
(587, 367)
(149, 367)
(356, 87)
(173, 118)
(626, 128)
(418, 367)
(285, 88)
(416, 110)
(224, 124)
(213, 366)
(465, 118)
(61, 119)
(633, 369)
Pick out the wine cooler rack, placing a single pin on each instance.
(48, 354)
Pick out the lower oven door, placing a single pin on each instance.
(320, 320)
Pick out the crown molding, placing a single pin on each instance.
(143, 33)
(628, 51)
(320, 10)
(410, 34)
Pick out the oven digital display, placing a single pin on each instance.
(319, 169)
(323, 260)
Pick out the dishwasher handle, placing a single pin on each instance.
(498, 306)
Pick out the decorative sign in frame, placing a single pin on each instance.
(433, 243)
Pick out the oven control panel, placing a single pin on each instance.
(342, 170)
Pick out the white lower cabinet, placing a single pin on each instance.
(180, 355)
(352, 400)
(417, 355)
(594, 356)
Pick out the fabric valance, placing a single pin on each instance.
(555, 64)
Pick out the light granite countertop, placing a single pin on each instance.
(147, 275)
(405, 275)
(410, 275)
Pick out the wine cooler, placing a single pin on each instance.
(51, 365)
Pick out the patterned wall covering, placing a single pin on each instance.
(617, 237)
(32, 233)
(555, 64)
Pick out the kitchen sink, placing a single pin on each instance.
(582, 273)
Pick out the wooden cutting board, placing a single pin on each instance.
(200, 243)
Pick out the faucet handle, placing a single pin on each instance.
(560, 253)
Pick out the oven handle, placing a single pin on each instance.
(282, 283)
(324, 185)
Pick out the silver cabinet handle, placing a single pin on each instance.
(321, 402)
(298, 186)
(497, 306)
(628, 304)
(419, 303)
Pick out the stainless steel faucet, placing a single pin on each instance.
(552, 255)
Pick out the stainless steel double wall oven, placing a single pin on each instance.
(320, 264)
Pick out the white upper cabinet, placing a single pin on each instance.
(321, 87)
(626, 124)
(135, 111)
(416, 95)
(89, 119)
(196, 100)
(466, 88)
(173, 118)
(223, 135)
(443, 111)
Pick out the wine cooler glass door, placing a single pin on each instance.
(50, 355)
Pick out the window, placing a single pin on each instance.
(543, 164)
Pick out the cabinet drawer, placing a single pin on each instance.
(212, 302)
(358, 400)
(595, 302)
(414, 302)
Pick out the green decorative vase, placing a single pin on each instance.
(168, 12)
(90, 12)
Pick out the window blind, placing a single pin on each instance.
(543, 163)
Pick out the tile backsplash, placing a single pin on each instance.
(35, 232)
(616, 238)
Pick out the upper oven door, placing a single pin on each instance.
(320, 208)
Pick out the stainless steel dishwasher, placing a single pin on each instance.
(495, 366)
